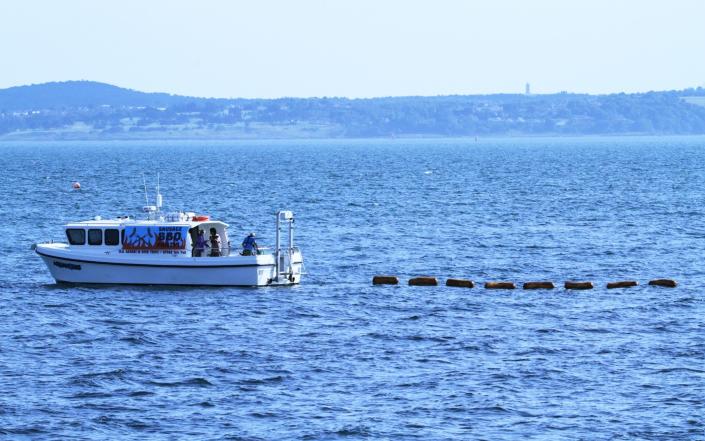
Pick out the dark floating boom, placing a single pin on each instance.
(466, 283)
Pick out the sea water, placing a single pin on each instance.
(337, 357)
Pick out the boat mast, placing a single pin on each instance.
(151, 210)
(144, 183)
(277, 249)
(159, 196)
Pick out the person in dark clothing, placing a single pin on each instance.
(201, 244)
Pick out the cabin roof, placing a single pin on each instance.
(103, 223)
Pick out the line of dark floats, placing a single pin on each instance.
(465, 283)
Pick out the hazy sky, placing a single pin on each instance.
(356, 48)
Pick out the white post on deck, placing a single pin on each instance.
(277, 248)
(291, 244)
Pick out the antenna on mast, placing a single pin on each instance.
(144, 183)
(149, 209)
(159, 195)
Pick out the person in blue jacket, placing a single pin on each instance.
(249, 245)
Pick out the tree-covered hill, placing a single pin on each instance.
(79, 94)
(90, 110)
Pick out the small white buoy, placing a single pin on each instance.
(76, 185)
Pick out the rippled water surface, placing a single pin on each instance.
(336, 358)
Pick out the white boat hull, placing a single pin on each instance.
(260, 270)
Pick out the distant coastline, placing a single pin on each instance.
(84, 110)
(537, 140)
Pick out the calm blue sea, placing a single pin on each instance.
(336, 358)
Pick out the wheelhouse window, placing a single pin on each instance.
(76, 236)
(112, 237)
(95, 237)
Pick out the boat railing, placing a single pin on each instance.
(213, 252)
(224, 251)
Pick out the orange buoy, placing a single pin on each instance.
(460, 283)
(76, 185)
(385, 280)
(201, 218)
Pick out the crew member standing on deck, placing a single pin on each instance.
(249, 246)
(215, 243)
(200, 244)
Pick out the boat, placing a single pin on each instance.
(161, 250)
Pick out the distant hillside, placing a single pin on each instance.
(90, 110)
(80, 94)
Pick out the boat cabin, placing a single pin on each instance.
(173, 234)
